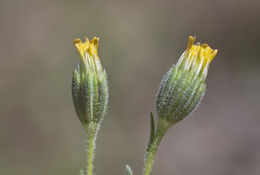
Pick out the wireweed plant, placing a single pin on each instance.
(90, 94)
(181, 91)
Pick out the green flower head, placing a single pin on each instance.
(183, 86)
(89, 83)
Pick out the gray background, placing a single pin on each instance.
(139, 41)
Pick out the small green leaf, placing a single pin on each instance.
(151, 128)
(128, 170)
(151, 132)
(81, 172)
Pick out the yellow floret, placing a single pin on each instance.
(89, 53)
(203, 52)
(197, 57)
(87, 47)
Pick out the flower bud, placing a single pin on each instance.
(183, 86)
(89, 83)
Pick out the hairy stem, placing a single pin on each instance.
(91, 130)
(152, 148)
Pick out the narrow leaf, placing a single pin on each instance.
(128, 170)
(151, 127)
(81, 172)
(151, 132)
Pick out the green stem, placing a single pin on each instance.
(91, 130)
(152, 148)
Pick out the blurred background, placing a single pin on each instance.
(40, 133)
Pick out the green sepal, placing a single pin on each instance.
(175, 93)
(164, 87)
(128, 170)
(103, 99)
(90, 95)
(79, 99)
(196, 99)
(95, 97)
